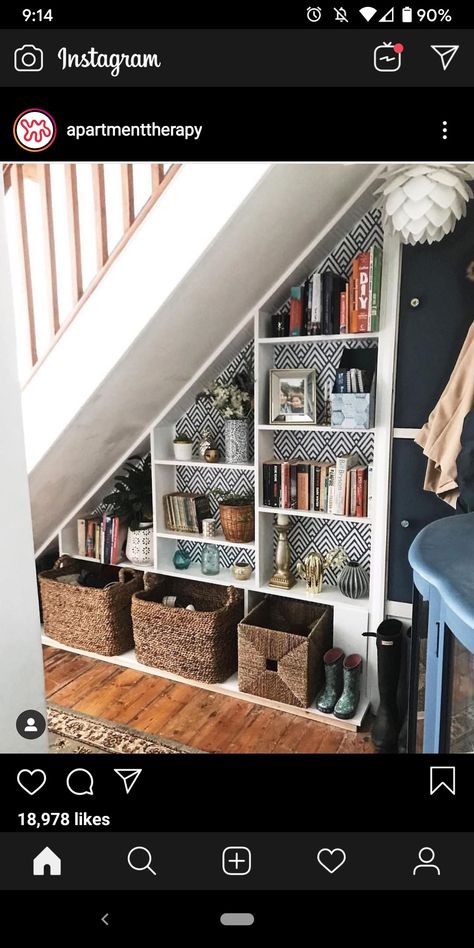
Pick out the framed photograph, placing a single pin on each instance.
(293, 396)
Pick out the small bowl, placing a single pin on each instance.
(242, 571)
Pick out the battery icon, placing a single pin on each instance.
(407, 15)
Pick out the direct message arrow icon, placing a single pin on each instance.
(446, 54)
(129, 777)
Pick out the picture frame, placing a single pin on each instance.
(292, 396)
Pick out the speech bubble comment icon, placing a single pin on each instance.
(80, 782)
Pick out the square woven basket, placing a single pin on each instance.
(281, 647)
(97, 620)
(200, 644)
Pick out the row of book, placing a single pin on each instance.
(184, 511)
(328, 304)
(341, 487)
(352, 381)
(101, 538)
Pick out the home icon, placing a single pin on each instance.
(46, 863)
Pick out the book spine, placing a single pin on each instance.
(327, 287)
(354, 295)
(340, 385)
(363, 293)
(97, 541)
(293, 485)
(370, 490)
(81, 536)
(285, 484)
(342, 313)
(276, 485)
(331, 483)
(102, 539)
(303, 486)
(265, 485)
(108, 540)
(296, 311)
(376, 287)
(115, 558)
(371, 286)
(361, 476)
(307, 305)
(353, 500)
(316, 305)
(90, 538)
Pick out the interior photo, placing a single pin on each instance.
(239, 457)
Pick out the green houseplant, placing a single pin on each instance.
(183, 447)
(131, 501)
(237, 514)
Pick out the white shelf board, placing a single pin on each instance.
(317, 514)
(224, 577)
(171, 462)
(289, 427)
(198, 538)
(229, 687)
(330, 596)
(124, 563)
(295, 340)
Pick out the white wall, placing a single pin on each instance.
(21, 668)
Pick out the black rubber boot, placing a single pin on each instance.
(389, 648)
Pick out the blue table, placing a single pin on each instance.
(442, 558)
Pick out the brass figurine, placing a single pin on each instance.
(311, 569)
(282, 577)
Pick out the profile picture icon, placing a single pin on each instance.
(34, 130)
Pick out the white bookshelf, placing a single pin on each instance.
(351, 618)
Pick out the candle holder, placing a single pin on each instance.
(282, 577)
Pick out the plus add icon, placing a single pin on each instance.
(236, 861)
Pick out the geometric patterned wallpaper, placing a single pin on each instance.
(305, 534)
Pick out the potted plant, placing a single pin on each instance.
(237, 513)
(234, 401)
(131, 501)
(183, 447)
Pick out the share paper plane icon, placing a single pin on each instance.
(446, 54)
(129, 778)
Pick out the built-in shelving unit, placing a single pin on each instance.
(365, 537)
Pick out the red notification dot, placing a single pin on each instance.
(398, 48)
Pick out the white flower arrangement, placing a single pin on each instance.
(229, 400)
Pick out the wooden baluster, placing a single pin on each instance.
(98, 182)
(74, 231)
(157, 175)
(50, 249)
(128, 199)
(19, 192)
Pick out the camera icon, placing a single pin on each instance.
(28, 58)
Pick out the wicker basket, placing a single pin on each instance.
(281, 647)
(238, 523)
(97, 620)
(201, 645)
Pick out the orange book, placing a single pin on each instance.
(354, 294)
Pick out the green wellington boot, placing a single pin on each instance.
(334, 682)
(346, 707)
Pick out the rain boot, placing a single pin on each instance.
(346, 707)
(334, 682)
(389, 649)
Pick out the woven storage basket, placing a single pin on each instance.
(281, 648)
(201, 645)
(238, 523)
(98, 620)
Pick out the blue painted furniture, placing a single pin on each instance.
(442, 558)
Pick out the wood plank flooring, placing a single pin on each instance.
(192, 716)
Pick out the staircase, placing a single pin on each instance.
(156, 305)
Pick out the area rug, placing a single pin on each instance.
(71, 732)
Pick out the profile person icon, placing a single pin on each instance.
(30, 726)
(426, 856)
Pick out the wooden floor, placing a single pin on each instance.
(192, 716)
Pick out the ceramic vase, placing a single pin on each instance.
(236, 440)
(140, 545)
(353, 581)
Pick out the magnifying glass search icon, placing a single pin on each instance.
(139, 858)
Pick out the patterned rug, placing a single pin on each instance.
(71, 732)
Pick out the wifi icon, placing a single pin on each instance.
(368, 13)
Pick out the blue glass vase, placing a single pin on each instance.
(210, 564)
(181, 560)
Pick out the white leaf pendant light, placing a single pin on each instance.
(424, 202)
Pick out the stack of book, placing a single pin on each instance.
(352, 381)
(101, 539)
(342, 487)
(184, 511)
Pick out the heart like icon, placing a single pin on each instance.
(331, 859)
(31, 780)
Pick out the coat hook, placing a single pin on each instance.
(415, 302)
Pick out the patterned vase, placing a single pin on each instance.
(236, 441)
(140, 544)
(353, 581)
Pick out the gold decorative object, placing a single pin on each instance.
(212, 455)
(311, 569)
(242, 571)
(282, 577)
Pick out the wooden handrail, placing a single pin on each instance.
(14, 176)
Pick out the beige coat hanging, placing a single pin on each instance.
(440, 437)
